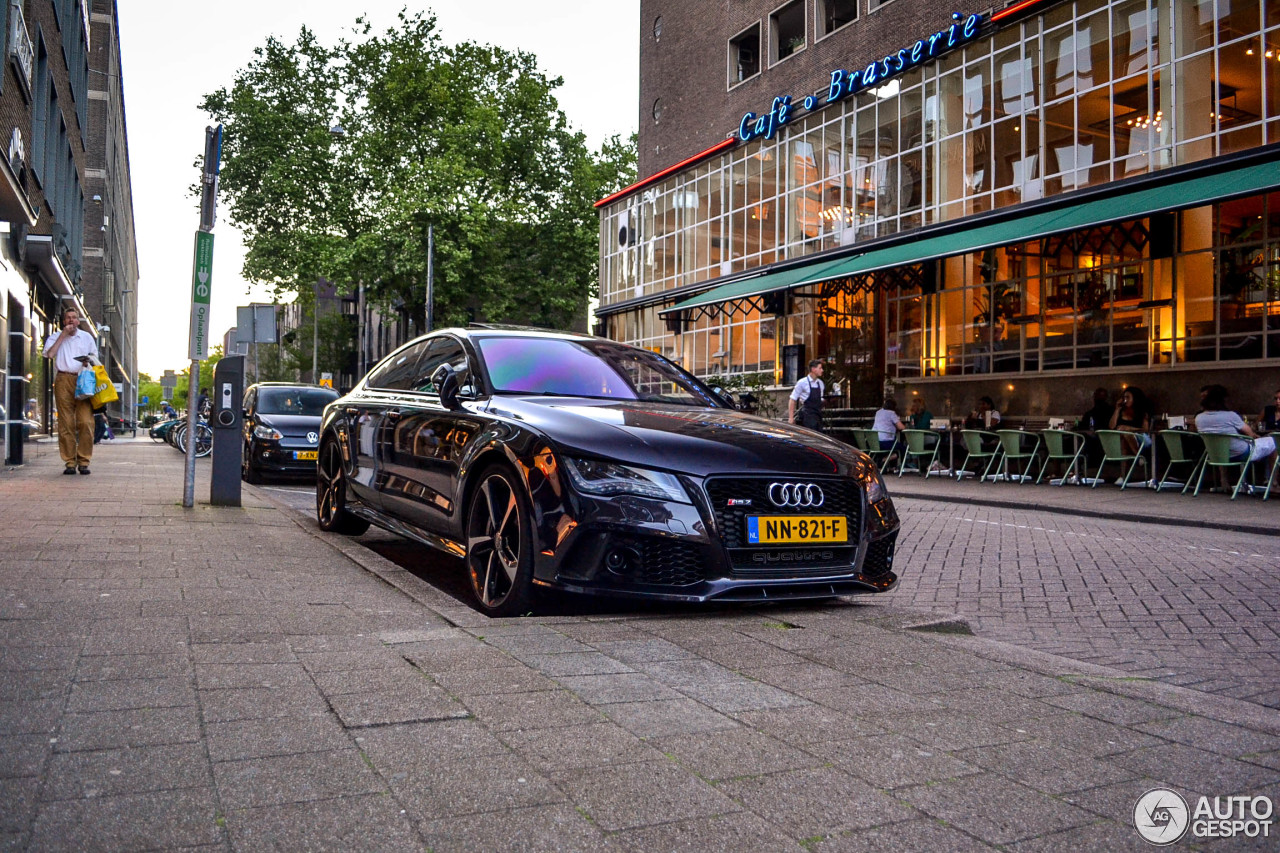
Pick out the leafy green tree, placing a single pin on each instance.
(335, 344)
(466, 140)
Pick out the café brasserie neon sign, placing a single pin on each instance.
(845, 83)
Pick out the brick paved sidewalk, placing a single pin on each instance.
(227, 678)
(1246, 513)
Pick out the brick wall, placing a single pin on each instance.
(687, 67)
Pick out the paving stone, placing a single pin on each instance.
(214, 676)
(891, 761)
(317, 662)
(639, 651)
(642, 794)
(494, 680)
(617, 687)
(1101, 837)
(421, 702)
(278, 652)
(344, 682)
(369, 822)
(265, 737)
(1045, 767)
(524, 646)
(816, 801)
(115, 667)
(163, 819)
(808, 724)
(80, 775)
(20, 797)
(541, 710)
(399, 747)
(431, 789)
(735, 752)
(557, 826)
(134, 728)
(125, 694)
(907, 835)
(689, 672)
(1213, 773)
(1211, 735)
(1111, 709)
(993, 809)
(256, 782)
(252, 703)
(739, 696)
(950, 730)
(575, 663)
(23, 755)
(666, 717)
(40, 716)
(450, 655)
(1088, 736)
(34, 685)
(732, 833)
(590, 745)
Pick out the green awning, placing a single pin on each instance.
(1175, 195)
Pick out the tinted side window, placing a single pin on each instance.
(400, 369)
(442, 351)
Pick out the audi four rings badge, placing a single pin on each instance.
(795, 494)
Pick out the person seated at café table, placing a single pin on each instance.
(1133, 414)
(985, 416)
(1098, 417)
(918, 417)
(1269, 420)
(886, 423)
(1217, 418)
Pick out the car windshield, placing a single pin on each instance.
(294, 401)
(595, 369)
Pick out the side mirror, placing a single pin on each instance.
(446, 382)
(724, 397)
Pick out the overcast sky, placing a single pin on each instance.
(174, 53)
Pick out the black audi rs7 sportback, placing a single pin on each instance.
(567, 462)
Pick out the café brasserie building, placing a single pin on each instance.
(1026, 201)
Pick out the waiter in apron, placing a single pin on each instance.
(808, 395)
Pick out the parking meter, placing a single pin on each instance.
(226, 420)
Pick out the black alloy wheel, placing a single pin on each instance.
(331, 495)
(500, 545)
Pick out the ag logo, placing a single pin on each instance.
(1161, 816)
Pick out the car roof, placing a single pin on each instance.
(288, 385)
(479, 330)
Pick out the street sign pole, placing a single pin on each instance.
(201, 288)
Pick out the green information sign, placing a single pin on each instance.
(201, 287)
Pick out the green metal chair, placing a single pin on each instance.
(869, 443)
(973, 439)
(1055, 445)
(1013, 444)
(1183, 447)
(1275, 468)
(918, 444)
(1112, 441)
(1217, 454)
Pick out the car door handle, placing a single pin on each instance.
(393, 414)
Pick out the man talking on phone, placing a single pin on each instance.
(70, 348)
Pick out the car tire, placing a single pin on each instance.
(499, 538)
(248, 473)
(331, 494)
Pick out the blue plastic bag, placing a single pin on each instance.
(86, 384)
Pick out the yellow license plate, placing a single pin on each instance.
(304, 455)
(789, 529)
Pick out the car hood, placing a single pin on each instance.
(692, 440)
(292, 425)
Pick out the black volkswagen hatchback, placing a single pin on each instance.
(568, 462)
(282, 429)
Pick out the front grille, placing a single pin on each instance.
(879, 559)
(662, 562)
(842, 497)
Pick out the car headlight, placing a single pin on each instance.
(267, 433)
(874, 486)
(609, 478)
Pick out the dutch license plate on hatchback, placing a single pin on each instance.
(796, 529)
(305, 455)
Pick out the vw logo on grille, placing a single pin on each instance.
(796, 494)
(312, 437)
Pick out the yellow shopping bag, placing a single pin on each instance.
(106, 390)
